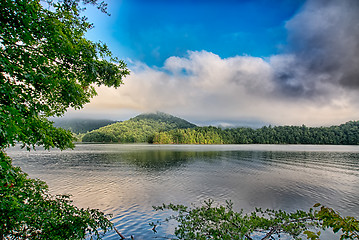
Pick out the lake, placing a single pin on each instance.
(127, 180)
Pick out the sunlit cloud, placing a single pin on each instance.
(203, 87)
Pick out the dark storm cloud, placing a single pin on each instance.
(323, 49)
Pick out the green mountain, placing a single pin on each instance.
(139, 129)
(78, 125)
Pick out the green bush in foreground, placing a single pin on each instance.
(221, 222)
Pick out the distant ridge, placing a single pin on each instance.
(138, 129)
(81, 125)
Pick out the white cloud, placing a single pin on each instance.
(204, 87)
(315, 82)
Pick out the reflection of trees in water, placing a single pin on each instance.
(163, 160)
(349, 158)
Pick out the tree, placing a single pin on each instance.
(221, 222)
(96, 136)
(46, 66)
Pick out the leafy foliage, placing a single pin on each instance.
(349, 226)
(46, 66)
(221, 222)
(347, 134)
(138, 129)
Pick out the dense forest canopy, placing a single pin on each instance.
(165, 129)
(344, 134)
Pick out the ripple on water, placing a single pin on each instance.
(134, 221)
(126, 180)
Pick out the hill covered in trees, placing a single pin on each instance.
(139, 129)
(161, 128)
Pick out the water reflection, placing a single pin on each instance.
(159, 160)
(127, 180)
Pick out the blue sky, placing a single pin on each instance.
(152, 31)
(283, 62)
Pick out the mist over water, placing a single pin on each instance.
(127, 180)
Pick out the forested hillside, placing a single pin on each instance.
(81, 125)
(161, 128)
(138, 129)
(345, 134)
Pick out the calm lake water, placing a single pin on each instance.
(127, 180)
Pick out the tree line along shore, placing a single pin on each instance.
(161, 128)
